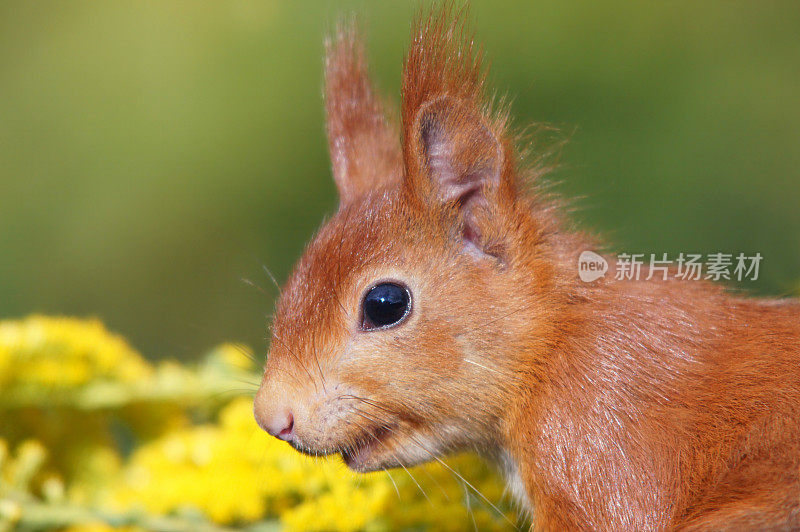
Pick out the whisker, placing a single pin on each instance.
(373, 418)
(271, 277)
(393, 483)
(294, 378)
(485, 324)
(250, 283)
(299, 361)
(319, 368)
(482, 366)
(244, 351)
(465, 481)
(367, 401)
(234, 392)
(255, 385)
(394, 455)
(468, 502)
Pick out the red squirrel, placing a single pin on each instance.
(440, 310)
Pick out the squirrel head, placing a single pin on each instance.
(421, 304)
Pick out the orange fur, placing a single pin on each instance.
(610, 405)
(364, 148)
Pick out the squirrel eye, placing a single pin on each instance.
(385, 305)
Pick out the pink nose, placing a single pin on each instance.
(279, 424)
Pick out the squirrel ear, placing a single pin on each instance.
(364, 147)
(461, 158)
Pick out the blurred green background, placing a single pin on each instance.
(153, 154)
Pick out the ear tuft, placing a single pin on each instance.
(442, 61)
(364, 145)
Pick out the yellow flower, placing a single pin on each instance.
(233, 472)
(120, 442)
(64, 352)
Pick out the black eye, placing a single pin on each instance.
(386, 304)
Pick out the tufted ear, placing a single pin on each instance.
(461, 159)
(364, 147)
(455, 149)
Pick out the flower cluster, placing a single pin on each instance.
(99, 439)
(64, 353)
(235, 473)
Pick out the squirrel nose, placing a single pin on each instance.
(279, 423)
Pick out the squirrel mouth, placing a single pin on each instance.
(361, 455)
